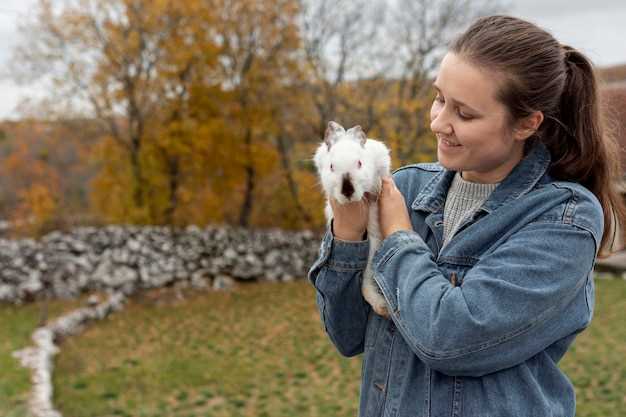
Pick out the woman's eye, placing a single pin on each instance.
(439, 98)
(465, 116)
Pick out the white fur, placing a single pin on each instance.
(344, 149)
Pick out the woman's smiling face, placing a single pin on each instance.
(467, 115)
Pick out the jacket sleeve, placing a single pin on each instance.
(336, 275)
(513, 303)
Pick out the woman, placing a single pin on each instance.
(487, 256)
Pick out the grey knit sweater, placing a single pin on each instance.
(464, 198)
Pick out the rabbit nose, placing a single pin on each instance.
(346, 186)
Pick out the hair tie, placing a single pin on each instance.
(568, 51)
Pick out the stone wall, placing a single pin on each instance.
(128, 258)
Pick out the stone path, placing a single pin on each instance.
(39, 357)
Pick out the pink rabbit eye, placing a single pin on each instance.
(360, 164)
(331, 167)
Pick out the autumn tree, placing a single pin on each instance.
(108, 57)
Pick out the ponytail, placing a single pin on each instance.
(581, 147)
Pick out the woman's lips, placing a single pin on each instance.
(447, 144)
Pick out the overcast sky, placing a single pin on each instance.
(598, 28)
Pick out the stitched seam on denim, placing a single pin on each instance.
(388, 255)
(382, 259)
(323, 305)
(318, 264)
(428, 372)
(371, 332)
(428, 167)
(455, 354)
(457, 397)
(549, 219)
(476, 348)
(596, 239)
(428, 187)
(346, 267)
(570, 208)
(406, 240)
(458, 260)
(577, 194)
(388, 376)
(359, 262)
(452, 354)
(542, 318)
(381, 283)
(589, 309)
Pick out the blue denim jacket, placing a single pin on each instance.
(476, 329)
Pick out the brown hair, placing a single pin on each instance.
(540, 74)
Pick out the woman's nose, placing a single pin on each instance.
(440, 124)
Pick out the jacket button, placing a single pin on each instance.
(380, 386)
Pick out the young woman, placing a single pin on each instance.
(487, 257)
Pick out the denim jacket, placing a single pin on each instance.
(476, 328)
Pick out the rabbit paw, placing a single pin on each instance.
(381, 308)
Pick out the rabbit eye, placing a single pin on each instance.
(360, 164)
(331, 167)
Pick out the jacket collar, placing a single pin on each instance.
(519, 181)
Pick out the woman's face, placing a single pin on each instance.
(467, 114)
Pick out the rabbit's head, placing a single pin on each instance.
(346, 169)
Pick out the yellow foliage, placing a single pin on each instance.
(36, 212)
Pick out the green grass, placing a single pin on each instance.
(259, 350)
(596, 362)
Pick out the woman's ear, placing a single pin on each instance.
(528, 125)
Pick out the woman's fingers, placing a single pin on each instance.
(350, 218)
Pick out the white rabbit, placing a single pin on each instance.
(349, 165)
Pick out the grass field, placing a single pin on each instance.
(259, 351)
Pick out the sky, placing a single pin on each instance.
(597, 28)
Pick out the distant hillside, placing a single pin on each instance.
(614, 100)
(615, 74)
(50, 156)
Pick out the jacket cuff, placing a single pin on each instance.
(392, 243)
(344, 254)
(388, 282)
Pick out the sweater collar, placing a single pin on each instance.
(470, 190)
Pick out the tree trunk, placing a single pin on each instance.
(246, 209)
(293, 187)
(173, 170)
(138, 187)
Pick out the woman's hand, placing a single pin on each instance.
(392, 211)
(350, 219)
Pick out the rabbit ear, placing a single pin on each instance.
(357, 132)
(330, 136)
